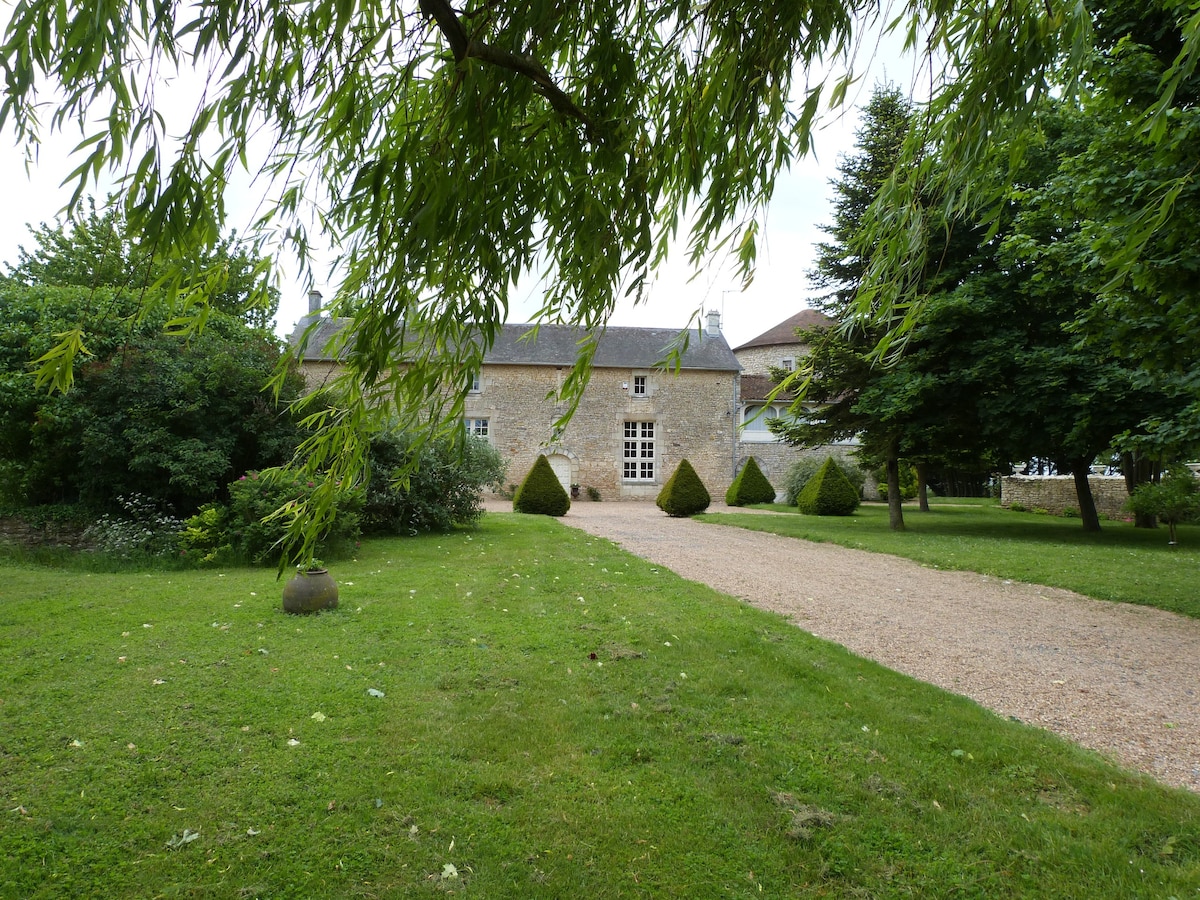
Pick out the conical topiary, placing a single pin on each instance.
(828, 493)
(684, 494)
(750, 486)
(541, 493)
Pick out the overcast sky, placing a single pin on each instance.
(785, 254)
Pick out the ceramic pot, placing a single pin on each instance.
(310, 591)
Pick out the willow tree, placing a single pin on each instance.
(448, 151)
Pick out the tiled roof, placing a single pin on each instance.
(757, 387)
(558, 345)
(785, 331)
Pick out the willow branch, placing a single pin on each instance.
(464, 47)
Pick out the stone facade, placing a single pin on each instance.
(1056, 493)
(689, 414)
(633, 425)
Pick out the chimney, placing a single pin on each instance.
(314, 302)
(714, 324)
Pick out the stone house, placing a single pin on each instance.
(775, 348)
(634, 423)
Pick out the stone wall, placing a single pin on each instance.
(759, 360)
(52, 535)
(1056, 493)
(693, 414)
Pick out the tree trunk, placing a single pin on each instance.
(1083, 493)
(1139, 469)
(895, 512)
(922, 490)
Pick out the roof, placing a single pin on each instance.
(558, 345)
(785, 331)
(757, 387)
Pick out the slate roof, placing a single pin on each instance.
(557, 345)
(785, 331)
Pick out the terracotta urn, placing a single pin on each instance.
(311, 590)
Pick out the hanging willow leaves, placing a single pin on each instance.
(448, 152)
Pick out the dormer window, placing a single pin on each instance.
(639, 385)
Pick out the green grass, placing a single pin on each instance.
(1121, 563)
(559, 720)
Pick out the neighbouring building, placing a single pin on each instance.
(776, 348)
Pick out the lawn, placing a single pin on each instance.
(522, 711)
(1121, 563)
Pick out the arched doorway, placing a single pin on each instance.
(561, 464)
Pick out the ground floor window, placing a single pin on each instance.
(477, 427)
(638, 453)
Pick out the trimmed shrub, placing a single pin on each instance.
(750, 486)
(803, 469)
(541, 493)
(684, 494)
(828, 493)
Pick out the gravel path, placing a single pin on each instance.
(1121, 679)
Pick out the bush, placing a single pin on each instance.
(803, 469)
(242, 531)
(593, 494)
(142, 530)
(684, 494)
(828, 493)
(750, 486)
(909, 486)
(1174, 500)
(149, 413)
(541, 493)
(443, 491)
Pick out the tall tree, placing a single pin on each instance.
(174, 417)
(97, 248)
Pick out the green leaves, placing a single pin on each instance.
(55, 369)
(448, 153)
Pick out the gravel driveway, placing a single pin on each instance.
(1121, 679)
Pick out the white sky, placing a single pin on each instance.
(786, 250)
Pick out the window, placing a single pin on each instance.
(755, 419)
(639, 385)
(476, 384)
(477, 427)
(638, 454)
(788, 364)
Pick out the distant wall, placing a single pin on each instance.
(1057, 492)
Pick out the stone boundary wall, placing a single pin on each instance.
(1056, 493)
(18, 532)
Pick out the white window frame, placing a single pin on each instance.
(788, 364)
(639, 453)
(479, 427)
(476, 383)
(640, 386)
(755, 417)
